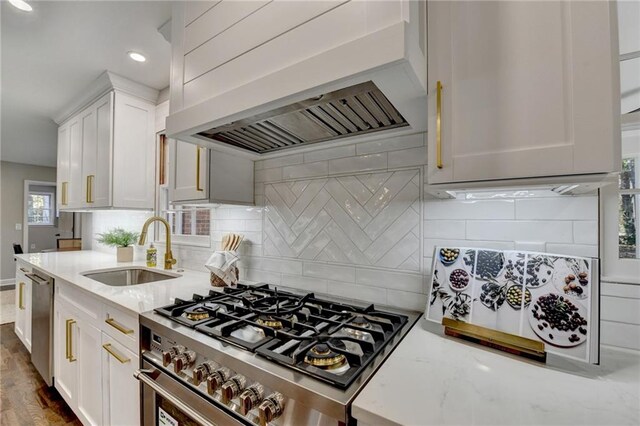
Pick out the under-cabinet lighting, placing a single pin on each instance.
(22, 5)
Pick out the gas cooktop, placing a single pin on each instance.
(330, 341)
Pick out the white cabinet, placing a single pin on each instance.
(201, 175)
(22, 325)
(120, 390)
(77, 362)
(529, 89)
(106, 149)
(95, 356)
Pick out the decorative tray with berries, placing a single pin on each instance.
(546, 297)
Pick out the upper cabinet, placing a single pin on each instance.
(106, 149)
(521, 90)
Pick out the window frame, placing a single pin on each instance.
(163, 206)
(615, 269)
(52, 208)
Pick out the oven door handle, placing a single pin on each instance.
(147, 377)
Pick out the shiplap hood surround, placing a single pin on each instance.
(373, 83)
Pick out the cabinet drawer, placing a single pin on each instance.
(121, 326)
(81, 301)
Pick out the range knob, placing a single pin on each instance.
(183, 360)
(216, 379)
(251, 397)
(202, 371)
(271, 408)
(232, 388)
(167, 356)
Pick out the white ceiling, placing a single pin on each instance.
(53, 53)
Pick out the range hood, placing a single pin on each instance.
(374, 83)
(352, 111)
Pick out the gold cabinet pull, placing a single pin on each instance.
(89, 194)
(120, 358)
(69, 340)
(439, 124)
(162, 179)
(198, 188)
(118, 327)
(26, 271)
(21, 296)
(64, 194)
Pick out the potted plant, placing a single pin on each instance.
(121, 239)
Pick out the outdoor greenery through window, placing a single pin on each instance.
(629, 198)
(40, 208)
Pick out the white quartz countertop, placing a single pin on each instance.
(435, 380)
(69, 266)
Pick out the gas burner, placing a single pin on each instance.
(322, 356)
(196, 313)
(361, 321)
(269, 321)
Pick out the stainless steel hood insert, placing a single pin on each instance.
(351, 111)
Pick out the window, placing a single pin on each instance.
(629, 199)
(41, 208)
(190, 225)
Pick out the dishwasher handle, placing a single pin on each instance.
(37, 279)
(147, 377)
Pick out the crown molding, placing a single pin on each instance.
(106, 82)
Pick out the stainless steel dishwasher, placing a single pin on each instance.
(42, 324)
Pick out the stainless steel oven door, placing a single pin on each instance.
(167, 402)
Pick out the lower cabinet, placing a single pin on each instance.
(93, 370)
(120, 390)
(22, 325)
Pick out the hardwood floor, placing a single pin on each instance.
(24, 397)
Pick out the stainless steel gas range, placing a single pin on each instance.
(256, 355)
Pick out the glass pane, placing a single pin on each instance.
(629, 173)
(628, 226)
(187, 218)
(202, 221)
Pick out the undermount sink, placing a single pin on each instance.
(129, 276)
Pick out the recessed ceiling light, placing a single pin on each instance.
(22, 5)
(138, 57)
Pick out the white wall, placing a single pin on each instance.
(321, 225)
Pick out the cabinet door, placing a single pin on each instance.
(21, 311)
(189, 165)
(133, 152)
(75, 196)
(62, 171)
(121, 390)
(89, 355)
(65, 350)
(96, 152)
(528, 89)
(27, 313)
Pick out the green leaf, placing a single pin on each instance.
(118, 237)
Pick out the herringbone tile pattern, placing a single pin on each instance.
(371, 220)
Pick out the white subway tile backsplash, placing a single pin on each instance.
(305, 283)
(407, 300)
(558, 208)
(407, 157)
(330, 272)
(620, 309)
(384, 145)
(282, 161)
(319, 168)
(431, 243)
(358, 164)
(620, 335)
(260, 276)
(268, 175)
(330, 153)
(455, 229)
(573, 249)
(530, 246)
(505, 230)
(360, 293)
(479, 209)
(389, 280)
(585, 232)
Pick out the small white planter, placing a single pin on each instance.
(125, 254)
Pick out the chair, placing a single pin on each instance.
(17, 248)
